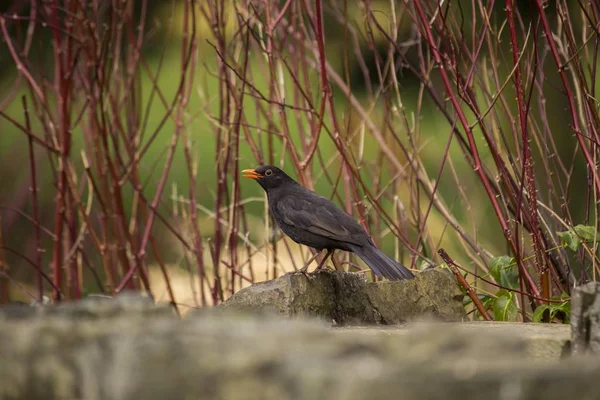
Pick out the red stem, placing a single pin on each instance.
(569, 93)
(463, 282)
(34, 200)
(65, 145)
(478, 166)
(527, 164)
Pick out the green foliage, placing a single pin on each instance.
(423, 264)
(504, 271)
(554, 308)
(577, 235)
(486, 300)
(504, 306)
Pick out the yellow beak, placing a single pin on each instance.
(250, 174)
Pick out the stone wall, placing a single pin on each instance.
(128, 348)
(348, 299)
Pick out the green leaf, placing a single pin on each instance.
(577, 235)
(538, 314)
(553, 308)
(571, 239)
(586, 232)
(487, 302)
(566, 308)
(504, 271)
(504, 306)
(563, 296)
(495, 266)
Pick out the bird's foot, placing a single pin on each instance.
(321, 267)
(322, 264)
(308, 276)
(303, 271)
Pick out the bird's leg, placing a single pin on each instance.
(336, 264)
(322, 263)
(303, 269)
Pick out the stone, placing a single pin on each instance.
(432, 294)
(585, 318)
(348, 299)
(92, 307)
(222, 354)
(547, 342)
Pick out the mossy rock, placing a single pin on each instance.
(346, 298)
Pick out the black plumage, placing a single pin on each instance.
(311, 219)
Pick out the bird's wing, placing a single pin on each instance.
(318, 215)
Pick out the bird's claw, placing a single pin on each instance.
(321, 267)
(306, 274)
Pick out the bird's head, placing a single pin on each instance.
(267, 176)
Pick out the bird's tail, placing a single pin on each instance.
(381, 264)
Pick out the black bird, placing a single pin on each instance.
(311, 219)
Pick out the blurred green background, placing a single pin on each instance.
(163, 48)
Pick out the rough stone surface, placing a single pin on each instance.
(548, 342)
(216, 354)
(92, 307)
(585, 318)
(348, 299)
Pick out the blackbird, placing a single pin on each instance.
(310, 219)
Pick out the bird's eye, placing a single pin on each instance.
(269, 172)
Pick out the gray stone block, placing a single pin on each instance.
(585, 319)
(348, 299)
(220, 355)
